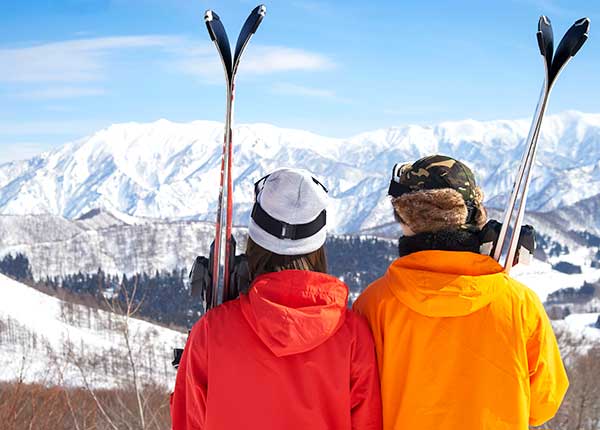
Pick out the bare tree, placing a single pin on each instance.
(581, 407)
(128, 309)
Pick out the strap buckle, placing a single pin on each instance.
(288, 231)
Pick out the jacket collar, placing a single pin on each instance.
(449, 262)
(446, 240)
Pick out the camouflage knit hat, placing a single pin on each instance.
(432, 173)
(436, 193)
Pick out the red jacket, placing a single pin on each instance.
(288, 355)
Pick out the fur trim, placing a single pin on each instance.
(480, 217)
(436, 210)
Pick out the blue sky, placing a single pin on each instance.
(71, 67)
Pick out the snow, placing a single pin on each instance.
(37, 327)
(585, 322)
(582, 327)
(56, 246)
(171, 170)
(541, 278)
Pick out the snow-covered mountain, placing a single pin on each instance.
(48, 340)
(170, 170)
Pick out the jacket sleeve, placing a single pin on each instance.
(188, 401)
(547, 377)
(365, 394)
(367, 306)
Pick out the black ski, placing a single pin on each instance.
(206, 272)
(570, 44)
(218, 35)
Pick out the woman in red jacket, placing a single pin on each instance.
(288, 354)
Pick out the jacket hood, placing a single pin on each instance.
(294, 311)
(445, 283)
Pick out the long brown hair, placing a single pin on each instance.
(261, 260)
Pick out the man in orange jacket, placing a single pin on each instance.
(460, 345)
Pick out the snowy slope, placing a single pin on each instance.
(56, 337)
(585, 324)
(170, 170)
(541, 278)
(56, 246)
(581, 328)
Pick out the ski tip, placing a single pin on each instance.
(544, 22)
(545, 39)
(581, 28)
(584, 21)
(259, 13)
(209, 17)
(255, 18)
(583, 25)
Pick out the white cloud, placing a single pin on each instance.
(202, 61)
(289, 89)
(300, 90)
(44, 128)
(80, 60)
(21, 151)
(414, 110)
(64, 92)
(270, 59)
(88, 60)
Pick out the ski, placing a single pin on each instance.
(218, 35)
(554, 63)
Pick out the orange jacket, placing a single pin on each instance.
(289, 355)
(460, 345)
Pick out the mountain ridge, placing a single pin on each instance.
(170, 170)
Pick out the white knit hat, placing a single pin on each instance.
(289, 215)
